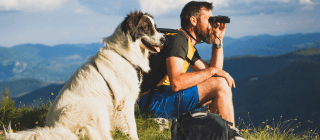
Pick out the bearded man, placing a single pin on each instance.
(207, 85)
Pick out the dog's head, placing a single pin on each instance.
(141, 27)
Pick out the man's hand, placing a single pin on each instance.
(221, 73)
(218, 29)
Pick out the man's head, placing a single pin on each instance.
(196, 15)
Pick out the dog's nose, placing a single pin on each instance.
(162, 40)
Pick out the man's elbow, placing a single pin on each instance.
(175, 86)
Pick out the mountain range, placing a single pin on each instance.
(282, 79)
(58, 63)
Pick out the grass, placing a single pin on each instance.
(25, 118)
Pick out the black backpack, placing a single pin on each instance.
(196, 125)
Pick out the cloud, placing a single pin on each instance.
(159, 7)
(79, 10)
(30, 5)
(111, 7)
(308, 5)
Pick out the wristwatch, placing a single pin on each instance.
(219, 45)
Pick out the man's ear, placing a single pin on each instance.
(193, 20)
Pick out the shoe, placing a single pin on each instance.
(237, 135)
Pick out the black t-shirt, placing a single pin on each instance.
(175, 45)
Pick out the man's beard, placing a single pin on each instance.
(204, 34)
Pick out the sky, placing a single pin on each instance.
(54, 22)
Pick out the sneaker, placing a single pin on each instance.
(237, 135)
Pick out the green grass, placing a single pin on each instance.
(25, 118)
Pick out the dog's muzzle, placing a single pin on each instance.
(162, 40)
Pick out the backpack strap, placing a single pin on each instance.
(146, 108)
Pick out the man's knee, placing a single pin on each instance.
(224, 90)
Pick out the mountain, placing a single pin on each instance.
(22, 87)
(36, 61)
(263, 45)
(244, 66)
(290, 88)
(39, 96)
(291, 92)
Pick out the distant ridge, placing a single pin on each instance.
(290, 87)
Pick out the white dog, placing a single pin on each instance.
(101, 94)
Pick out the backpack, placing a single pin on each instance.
(197, 125)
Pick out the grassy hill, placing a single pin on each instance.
(291, 92)
(24, 86)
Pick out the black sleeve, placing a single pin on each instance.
(176, 45)
(196, 56)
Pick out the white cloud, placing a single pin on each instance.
(73, 57)
(308, 5)
(30, 5)
(79, 10)
(158, 7)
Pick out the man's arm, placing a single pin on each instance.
(217, 59)
(180, 80)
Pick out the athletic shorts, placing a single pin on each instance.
(169, 104)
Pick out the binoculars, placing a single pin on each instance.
(219, 18)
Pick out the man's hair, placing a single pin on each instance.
(192, 9)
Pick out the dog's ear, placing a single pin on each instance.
(130, 25)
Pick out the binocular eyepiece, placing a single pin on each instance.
(219, 18)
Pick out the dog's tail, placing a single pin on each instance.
(41, 133)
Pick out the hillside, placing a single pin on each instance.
(263, 45)
(290, 87)
(24, 86)
(290, 92)
(39, 96)
(36, 61)
(244, 66)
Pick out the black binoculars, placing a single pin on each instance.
(219, 18)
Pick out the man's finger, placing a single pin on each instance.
(218, 24)
(222, 26)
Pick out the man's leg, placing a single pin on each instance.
(218, 95)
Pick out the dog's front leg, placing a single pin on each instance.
(130, 119)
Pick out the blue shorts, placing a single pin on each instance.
(169, 104)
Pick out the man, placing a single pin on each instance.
(208, 84)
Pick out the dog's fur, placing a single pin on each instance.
(100, 96)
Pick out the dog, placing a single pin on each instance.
(100, 96)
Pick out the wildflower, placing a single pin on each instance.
(247, 130)
(268, 126)
(36, 122)
(51, 93)
(242, 130)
